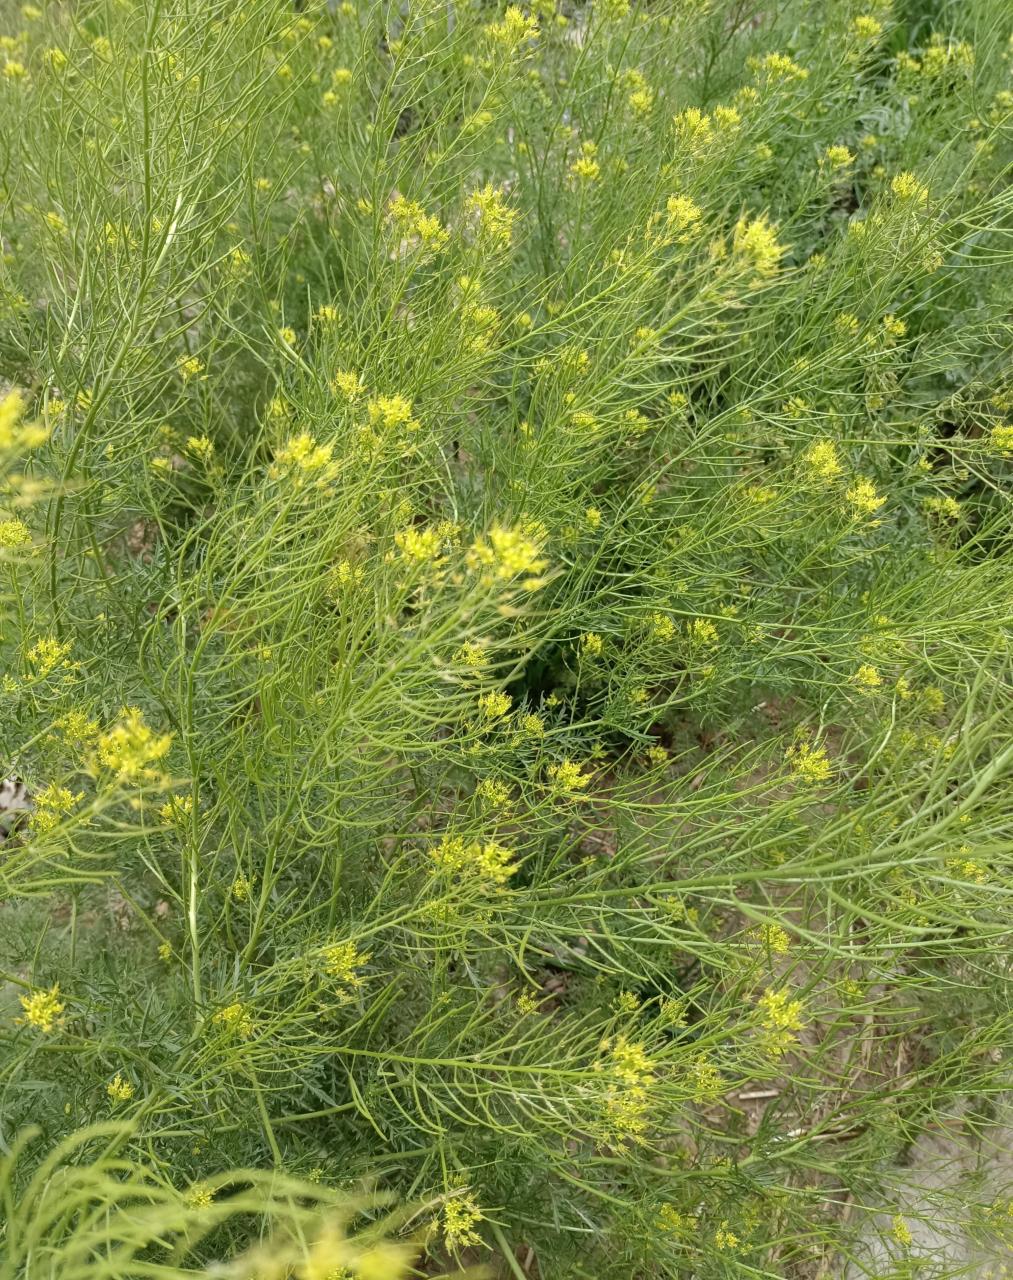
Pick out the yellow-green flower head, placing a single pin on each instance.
(514, 29)
(130, 747)
(236, 1020)
(342, 962)
(482, 861)
(864, 499)
(775, 67)
(809, 763)
(867, 678)
(425, 231)
(908, 190)
(119, 1089)
(14, 534)
(47, 655)
(491, 215)
(839, 157)
(821, 461)
(42, 1010)
(494, 705)
(199, 1196)
(866, 27)
(585, 167)
(51, 804)
(460, 1217)
(567, 777)
(504, 554)
(755, 244)
(683, 217)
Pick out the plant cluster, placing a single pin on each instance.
(505, 543)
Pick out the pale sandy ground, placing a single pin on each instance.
(944, 1175)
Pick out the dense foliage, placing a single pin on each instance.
(506, 633)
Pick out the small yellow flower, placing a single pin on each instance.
(130, 747)
(484, 862)
(119, 1089)
(42, 1009)
(755, 243)
(567, 778)
(725, 1239)
(591, 645)
(809, 763)
(906, 187)
(236, 1019)
(703, 634)
(199, 1196)
(838, 157)
(14, 534)
(494, 705)
(513, 30)
(821, 460)
(47, 655)
(773, 939)
(867, 27)
(190, 367)
(867, 678)
(586, 168)
(460, 1217)
(242, 887)
(900, 1231)
(863, 497)
(176, 811)
(342, 962)
(893, 327)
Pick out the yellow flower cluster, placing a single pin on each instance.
(839, 157)
(703, 634)
(774, 67)
(505, 553)
(423, 546)
(863, 497)
(907, 188)
(460, 1217)
(867, 678)
(176, 811)
(781, 1020)
(492, 216)
(566, 777)
(591, 645)
(585, 167)
(42, 1009)
(866, 27)
(50, 805)
(119, 1089)
(130, 747)
(482, 860)
(494, 705)
(14, 534)
(809, 763)
(48, 654)
(342, 961)
(513, 30)
(236, 1020)
(423, 230)
(821, 461)
(755, 244)
(302, 458)
(629, 1074)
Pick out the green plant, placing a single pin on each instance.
(507, 618)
